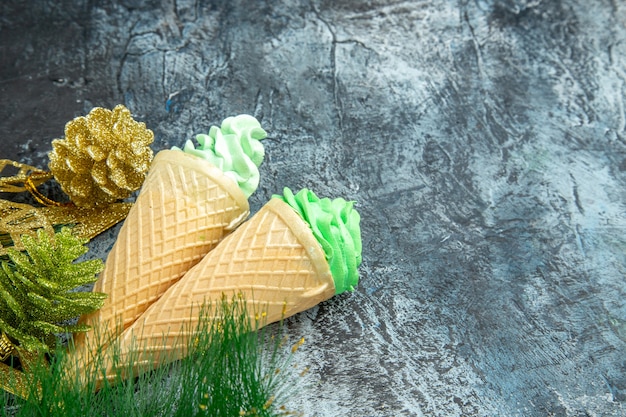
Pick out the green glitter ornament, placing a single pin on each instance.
(36, 297)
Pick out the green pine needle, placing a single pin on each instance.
(233, 369)
(36, 289)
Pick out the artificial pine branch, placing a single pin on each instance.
(35, 289)
(232, 369)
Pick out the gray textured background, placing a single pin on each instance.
(484, 142)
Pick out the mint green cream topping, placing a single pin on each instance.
(234, 148)
(335, 225)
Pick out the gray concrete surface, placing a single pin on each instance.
(484, 142)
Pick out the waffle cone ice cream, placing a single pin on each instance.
(272, 262)
(185, 207)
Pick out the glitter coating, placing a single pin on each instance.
(36, 289)
(103, 158)
(15, 183)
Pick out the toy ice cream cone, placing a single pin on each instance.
(186, 206)
(274, 262)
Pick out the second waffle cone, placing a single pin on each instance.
(272, 262)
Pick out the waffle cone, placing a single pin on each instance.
(272, 262)
(185, 207)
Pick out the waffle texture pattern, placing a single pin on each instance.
(272, 261)
(184, 209)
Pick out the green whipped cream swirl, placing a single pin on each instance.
(235, 148)
(335, 225)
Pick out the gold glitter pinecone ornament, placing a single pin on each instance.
(103, 158)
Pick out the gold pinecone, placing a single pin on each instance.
(103, 158)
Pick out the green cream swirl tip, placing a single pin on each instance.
(235, 148)
(335, 225)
